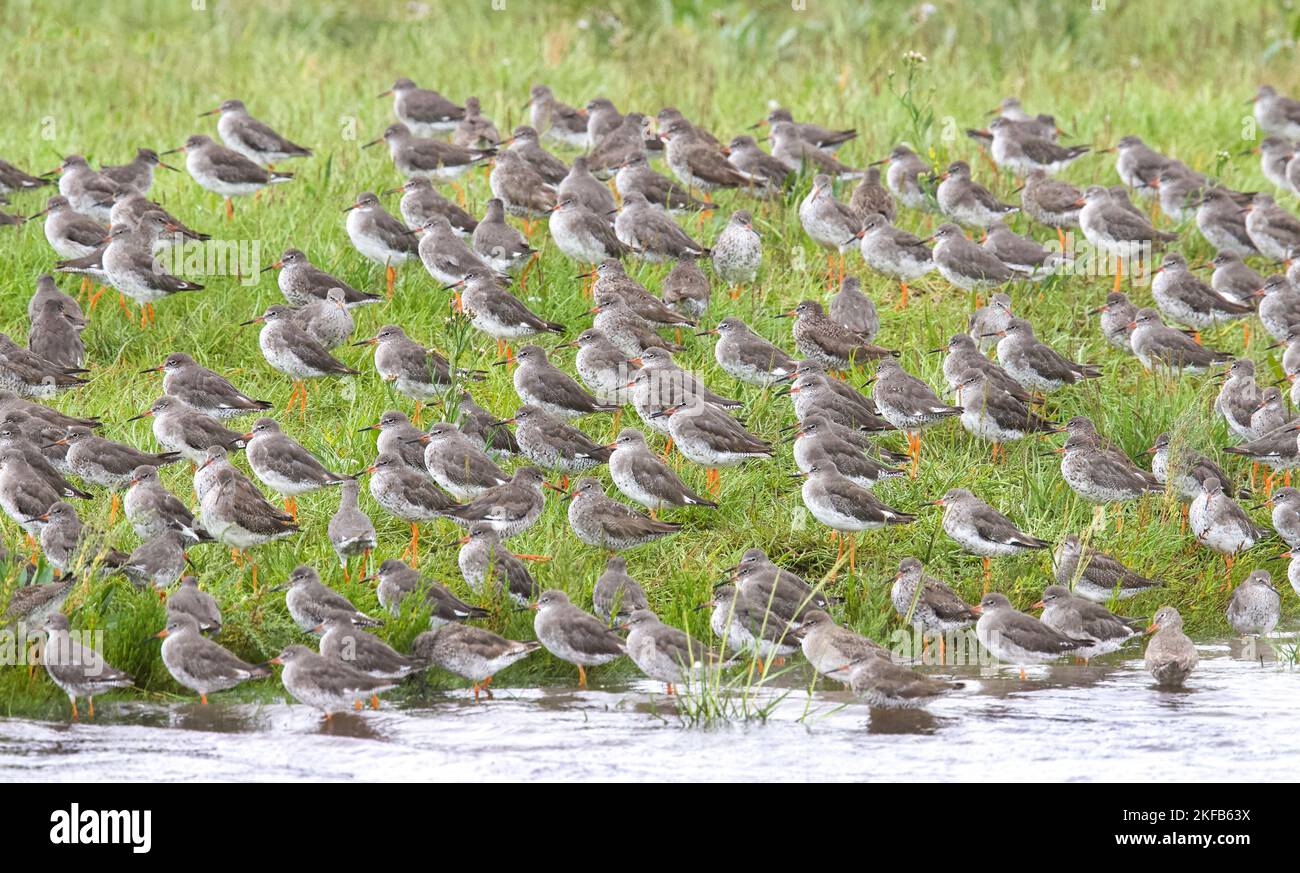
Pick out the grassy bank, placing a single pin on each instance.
(102, 79)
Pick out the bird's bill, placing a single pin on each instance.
(756, 126)
(318, 629)
(277, 265)
(558, 489)
(38, 214)
(148, 413)
(938, 351)
(369, 469)
(459, 283)
(1286, 554)
(1039, 605)
(246, 436)
(937, 502)
(422, 438)
(713, 332)
(503, 362)
(977, 609)
(175, 150)
(161, 634)
(1099, 310)
(503, 421)
(258, 320)
(388, 191)
(369, 341)
(61, 441)
(373, 142)
(994, 333)
(166, 166)
(276, 660)
(790, 314)
(210, 112)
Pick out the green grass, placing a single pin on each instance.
(102, 79)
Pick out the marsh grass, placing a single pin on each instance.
(102, 79)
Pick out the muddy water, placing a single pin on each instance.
(1237, 720)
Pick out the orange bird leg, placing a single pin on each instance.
(203, 699)
(374, 701)
(582, 676)
(94, 298)
(121, 303)
(230, 209)
(91, 702)
(988, 575)
(1060, 235)
(390, 279)
(853, 553)
(902, 299)
(714, 478)
(1119, 274)
(523, 277)
(113, 507)
(668, 448)
(1245, 333)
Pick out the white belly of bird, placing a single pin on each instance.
(626, 483)
(973, 543)
(832, 518)
(981, 425)
(1007, 650)
(214, 183)
(370, 245)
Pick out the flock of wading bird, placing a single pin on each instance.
(609, 205)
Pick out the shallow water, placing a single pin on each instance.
(1236, 720)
